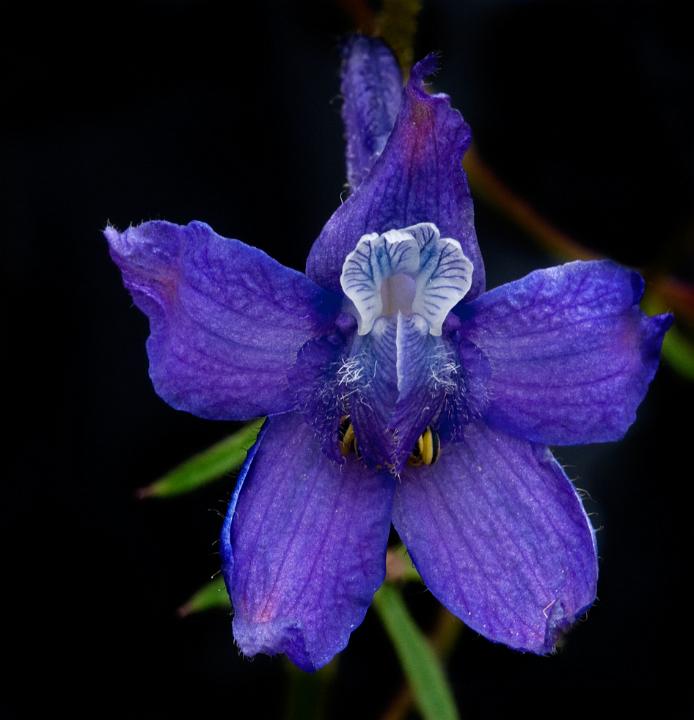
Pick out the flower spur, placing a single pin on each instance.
(397, 389)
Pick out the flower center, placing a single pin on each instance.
(426, 451)
(413, 271)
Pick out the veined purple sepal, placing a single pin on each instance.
(303, 546)
(226, 320)
(468, 401)
(417, 178)
(320, 390)
(571, 354)
(500, 537)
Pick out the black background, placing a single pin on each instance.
(229, 113)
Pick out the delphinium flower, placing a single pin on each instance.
(396, 389)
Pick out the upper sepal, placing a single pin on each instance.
(418, 178)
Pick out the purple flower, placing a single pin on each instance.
(397, 389)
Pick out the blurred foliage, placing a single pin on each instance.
(664, 293)
(678, 350)
(443, 639)
(418, 655)
(209, 465)
(679, 353)
(397, 25)
(422, 667)
(212, 596)
(399, 567)
(309, 692)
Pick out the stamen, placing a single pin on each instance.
(346, 436)
(425, 452)
(427, 449)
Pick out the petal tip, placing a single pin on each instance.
(654, 329)
(114, 238)
(110, 232)
(427, 66)
(664, 322)
(274, 637)
(559, 624)
(271, 637)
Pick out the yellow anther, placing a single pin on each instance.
(427, 449)
(348, 442)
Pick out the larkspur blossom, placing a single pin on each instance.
(390, 337)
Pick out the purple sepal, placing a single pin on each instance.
(372, 95)
(303, 546)
(226, 319)
(571, 354)
(417, 178)
(468, 400)
(320, 396)
(499, 536)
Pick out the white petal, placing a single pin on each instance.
(376, 258)
(444, 277)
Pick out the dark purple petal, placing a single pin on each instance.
(468, 401)
(571, 354)
(303, 546)
(372, 95)
(320, 397)
(395, 383)
(417, 178)
(226, 319)
(499, 536)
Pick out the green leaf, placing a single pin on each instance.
(419, 662)
(209, 597)
(211, 464)
(679, 352)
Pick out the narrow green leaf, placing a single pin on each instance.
(208, 597)
(679, 352)
(419, 662)
(207, 466)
